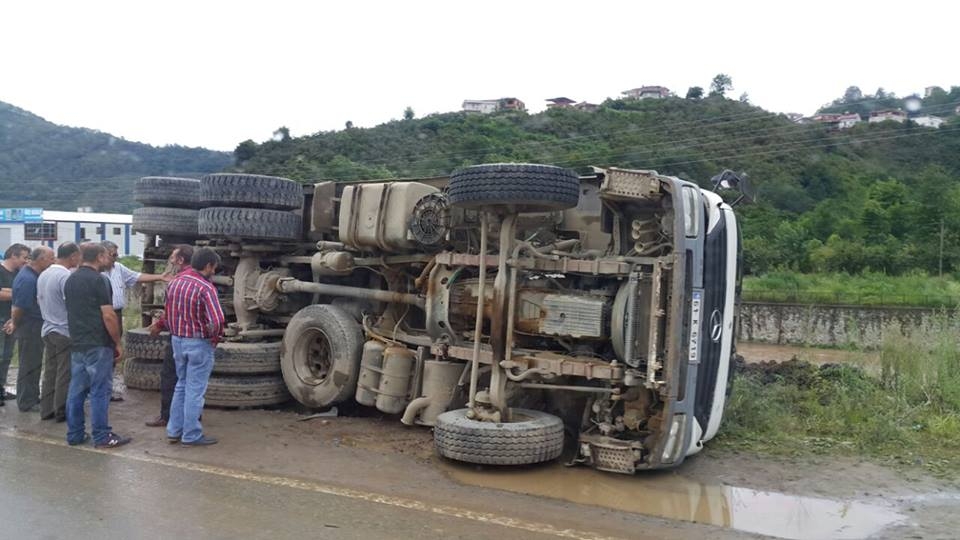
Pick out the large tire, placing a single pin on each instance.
(533, 437)
(256, 391)
(241, 358)
(141, 344)
(179, 222)
(168, 191)
(251, 190)
(321, 355)
(142, 374)
(249, 224)
(522, 187)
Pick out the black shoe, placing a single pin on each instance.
(113, 441)
(202, 441)
(84, 440)
(9, 395)
(173, 440)
(48, 416)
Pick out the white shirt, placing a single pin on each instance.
(120, 278)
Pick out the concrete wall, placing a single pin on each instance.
(831, 326)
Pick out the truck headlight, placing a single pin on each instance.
(674, 445)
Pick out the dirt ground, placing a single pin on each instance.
(712, 495)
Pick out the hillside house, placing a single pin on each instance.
(35, 227)
(928, 121)
(560, 103)
(794, 117)
(846, 121)
(589, 107)
(895, 115)
(830, 119)
(487, 106)
(647, 92)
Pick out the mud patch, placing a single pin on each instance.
(672, 496)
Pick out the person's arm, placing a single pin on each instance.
(6, 294)
(214, 314)
(11, 325)
(112, 322)
(148, 278)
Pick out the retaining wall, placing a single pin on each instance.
(831, 326)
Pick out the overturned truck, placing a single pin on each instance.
(513, 307)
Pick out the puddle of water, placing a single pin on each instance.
(672, 496)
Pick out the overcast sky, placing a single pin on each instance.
(212, 74)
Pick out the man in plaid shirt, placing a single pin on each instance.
(195, 321)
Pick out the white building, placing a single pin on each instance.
(647, 92)
(882, 116)
(848, 120)
(34, 227)
(928, 121)
(483, 106)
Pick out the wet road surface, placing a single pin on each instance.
(53, 491)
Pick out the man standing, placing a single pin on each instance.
(121, 278)
(16, 256)
(195, 320)
(27, 322)
(56, 333)
(95, 338)
(179, 261)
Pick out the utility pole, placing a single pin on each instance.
(942, 230)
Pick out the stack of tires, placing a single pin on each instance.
(170, 207)
(244, 374)
(248, 207)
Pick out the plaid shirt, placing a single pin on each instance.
(192, 309)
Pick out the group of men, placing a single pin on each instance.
(64, 311)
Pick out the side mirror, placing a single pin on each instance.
(734, 181)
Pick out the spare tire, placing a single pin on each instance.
(521, 187)
(321, 355)
(258, 391)
(168, 191)
(141, 344)
(142, 374)
(249, 224)
(532, 437)
(178, 222)
(238, 358)
(251, 190)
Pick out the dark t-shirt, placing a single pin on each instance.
(25, 294)
(6, 282)
(86, 291)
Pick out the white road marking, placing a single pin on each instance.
(316, 487)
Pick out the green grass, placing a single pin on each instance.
(909, 415)
(870, 289)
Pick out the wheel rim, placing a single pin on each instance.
(313, 360)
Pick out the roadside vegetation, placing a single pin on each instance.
(907, 416)
(865, 289)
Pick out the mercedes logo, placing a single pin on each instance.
(716, 325)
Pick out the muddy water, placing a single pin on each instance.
(672, 496)
(764, 352)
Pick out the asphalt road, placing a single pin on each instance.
(51, 491)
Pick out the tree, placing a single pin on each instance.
(245, 151)
(852, 94)
(281, 134)
(880, 94)
(348, 125)
(721, 84)
(745, 98)
(694, 92)
(408, 113)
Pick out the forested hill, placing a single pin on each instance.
(873, 197)
(61, 168)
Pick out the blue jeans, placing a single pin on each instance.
(91, 373)
(193, 358)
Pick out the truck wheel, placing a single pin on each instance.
(238, 358)
(249, 224)
(142, 374)
(141, 344)
(258, 391)
(321, 355)
(522, 187)
(168, 191)
(533, 437)
(179, 222)
(251, 190)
